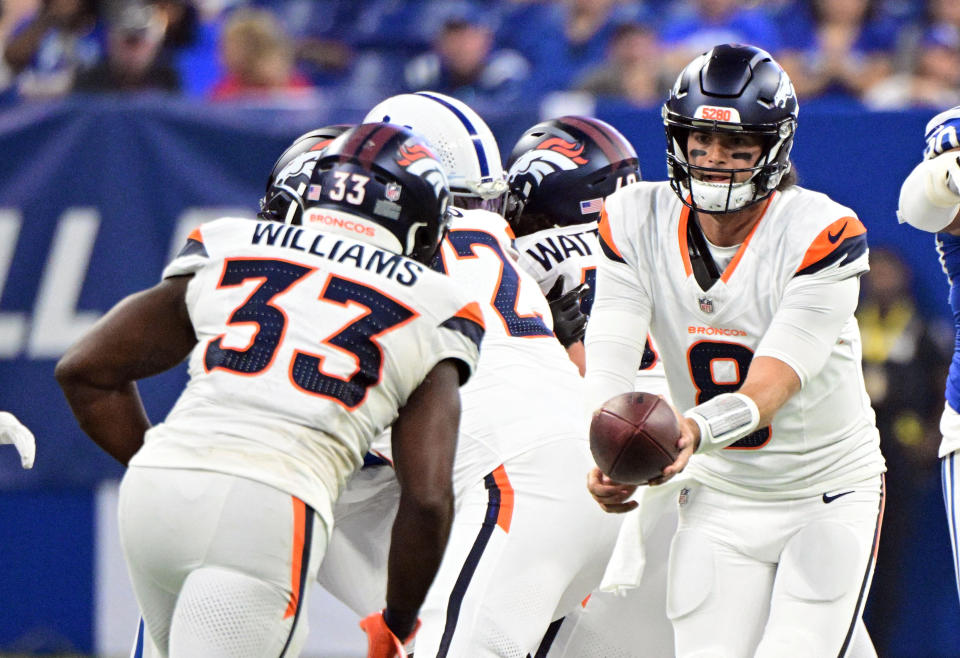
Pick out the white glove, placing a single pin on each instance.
(15, 432)
(929, 197)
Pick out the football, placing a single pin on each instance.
(633, 436)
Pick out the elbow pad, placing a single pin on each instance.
(929, 197)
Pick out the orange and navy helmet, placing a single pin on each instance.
(560, 170)
(290, 175)
(381, 183)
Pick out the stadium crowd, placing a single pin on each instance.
(884, 54)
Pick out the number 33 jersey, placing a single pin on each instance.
(308, 344)
(825, 434)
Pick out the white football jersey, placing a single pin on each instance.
(308, 343)
(572, 253)
(825, 433)
(526, 391)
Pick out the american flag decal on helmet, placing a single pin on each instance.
(591, 206)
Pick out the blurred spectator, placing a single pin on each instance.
(564, 39)
(841, 49)
(321, 31)
(633, 70)
(464, 64)
(135, 37)
(257, 57)
(710, 22)
(47, 50)
(904, 372)
(934, 81)
(12, 14)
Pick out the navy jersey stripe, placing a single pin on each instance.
(607, 251)
(849, 250)
(193, 248)
(465, 326)
(470, 564)
(481, 154)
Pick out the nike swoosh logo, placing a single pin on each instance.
(830, 499)
(833, 237)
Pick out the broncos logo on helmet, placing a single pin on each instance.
(559, 167)
(291, 174)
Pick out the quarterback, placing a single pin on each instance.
(748, 284)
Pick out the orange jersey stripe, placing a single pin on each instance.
(830, 238)
(682, 238)
(299, 536)
(195, 235)
(471, 312)
(505, 516)
(606, 234)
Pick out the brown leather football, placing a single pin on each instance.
(633, 436)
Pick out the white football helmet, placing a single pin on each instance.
(461, 140)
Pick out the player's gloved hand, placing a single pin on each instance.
(15, 432)
(381, 642)
(569, 322)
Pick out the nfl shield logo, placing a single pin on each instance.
(392, 192)
(706, 304)
(684, 493)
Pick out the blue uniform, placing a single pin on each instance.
(941, 135)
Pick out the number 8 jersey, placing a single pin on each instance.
(308, 344)
(803, 246)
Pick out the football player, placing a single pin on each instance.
(930, 201)
(559, 172)
(525, 548)
(749, 284)
(305, 341)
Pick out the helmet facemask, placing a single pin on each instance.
(719, 197)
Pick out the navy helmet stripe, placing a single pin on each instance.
(481, 154)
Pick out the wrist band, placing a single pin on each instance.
(724, 419)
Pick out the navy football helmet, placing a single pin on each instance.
(290, 175)
(733, 89)
(560, 170)
(381, 183)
